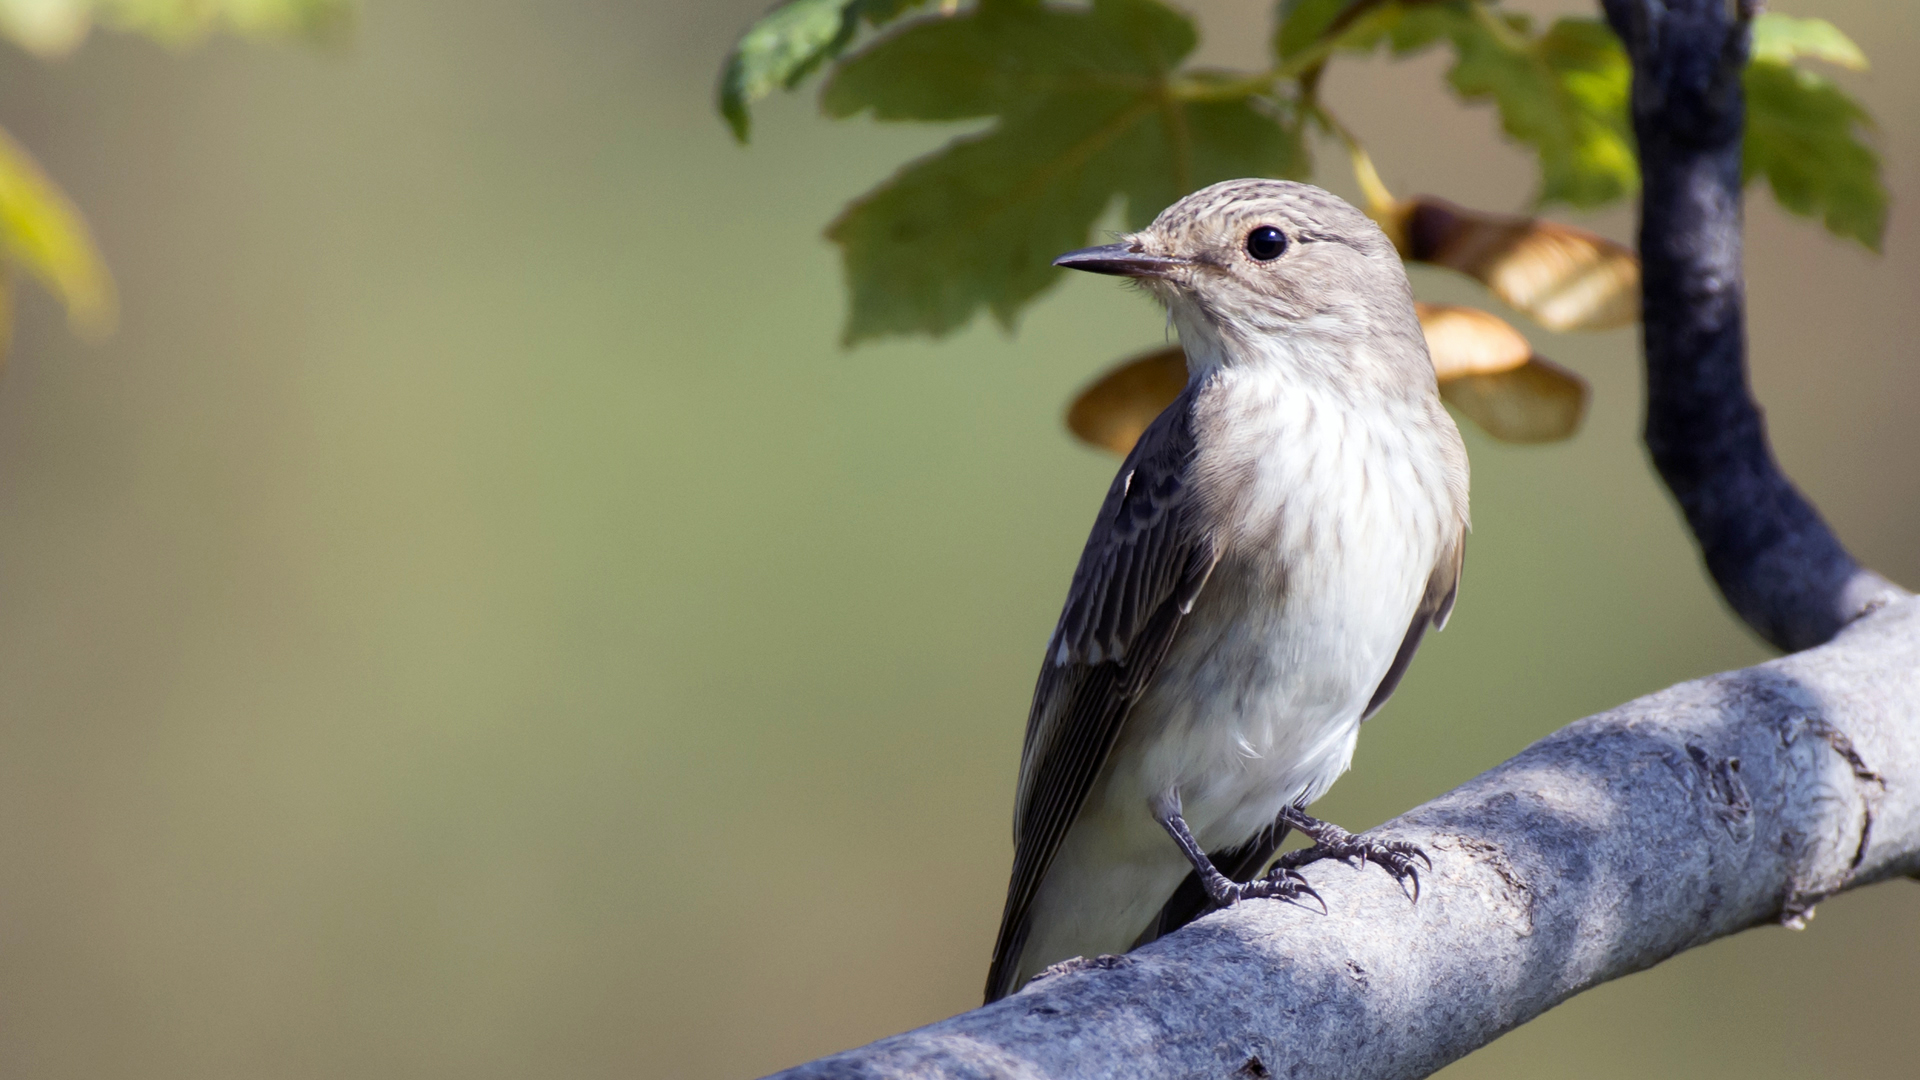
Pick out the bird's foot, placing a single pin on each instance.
(1277, 884)
(1222, 890)
(1330, 841)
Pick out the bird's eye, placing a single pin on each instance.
(1266, 243)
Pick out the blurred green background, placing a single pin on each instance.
(473, 621)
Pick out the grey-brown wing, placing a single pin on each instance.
(1435, 605)
(1143, 566)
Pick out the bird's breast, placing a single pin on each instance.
(1329, 516)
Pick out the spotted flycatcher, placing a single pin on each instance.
(1259, 576)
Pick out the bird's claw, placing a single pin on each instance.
(1289, 884)
(1396, 857)
(1280, 883)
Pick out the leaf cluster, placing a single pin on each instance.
(1088, 106)
(1561, 92)
(791, 43)
(1077, 109)
(1805, 135)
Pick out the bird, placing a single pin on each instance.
(1257, 580)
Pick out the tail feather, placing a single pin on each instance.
(1188, 902)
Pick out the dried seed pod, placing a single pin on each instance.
(1469, 341)
(1562, 277)
(1489, 372)
(1539, 401)
(1486, 370)
(1116, 408)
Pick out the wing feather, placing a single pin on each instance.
(1144, 564)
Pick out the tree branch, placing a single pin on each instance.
(1601, 850)
(1775, 560)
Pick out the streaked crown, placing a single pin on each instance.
(1247, 267)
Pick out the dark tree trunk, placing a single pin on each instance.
(1767, 548)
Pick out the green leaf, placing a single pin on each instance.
(1804, 136)
(1087, 108)
(791, 42)
(1303, 22)
(1781, 39)
(1563, 93)
(56, 27)
(42, 232)
(1406, 28)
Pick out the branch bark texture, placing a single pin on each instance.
(1625, 838)
(1773, 557)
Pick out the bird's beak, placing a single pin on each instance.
(1122, 259)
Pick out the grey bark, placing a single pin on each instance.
(1623, 839)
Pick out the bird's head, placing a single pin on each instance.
(1255, 268)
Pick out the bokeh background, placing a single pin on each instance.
(473, 621)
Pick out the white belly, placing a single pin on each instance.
(1258, 703)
